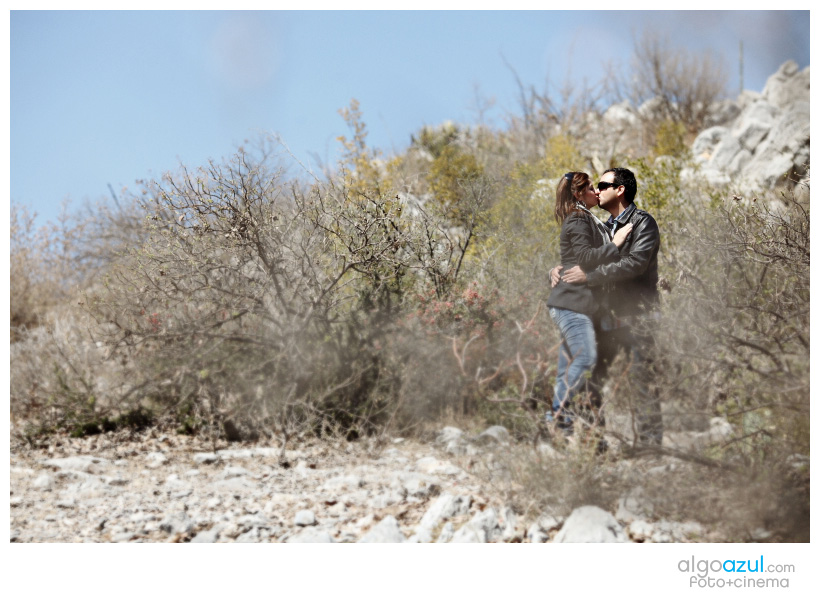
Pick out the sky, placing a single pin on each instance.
(104, 98)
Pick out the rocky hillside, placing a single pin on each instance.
(758, 140)
(153, 487)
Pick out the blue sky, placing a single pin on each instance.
(111, 97)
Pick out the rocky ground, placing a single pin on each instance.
(160, 487)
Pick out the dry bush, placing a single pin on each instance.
(675, 86)
(61, 378)
(760, 504)
(546, 112)
(42, 272)
(52, 263)
(738, 319)
(555, 480)
(263, 301)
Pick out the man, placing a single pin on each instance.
(631, 297)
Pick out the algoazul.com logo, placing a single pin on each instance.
(703, 573)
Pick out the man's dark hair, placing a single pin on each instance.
(625, 177)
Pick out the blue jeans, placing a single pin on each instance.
(576, 358)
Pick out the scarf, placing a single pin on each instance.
(606, 233)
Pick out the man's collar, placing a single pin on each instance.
(625, 214)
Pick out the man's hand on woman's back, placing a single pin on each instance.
(555, 275)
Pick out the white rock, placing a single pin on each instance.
(468, 534)
(538, 532)
(760, 534)
(549, 522)
(250, 536)
(713, 176)
(591, 524)
(447, 532)
(448, 434)
(305, 517)
(497, 433)
(663, 533)
(205, 458)
(413, 484)
(174, 484)
(342, 482)
(311, 534)
(482, 528)
(43, 482)
(653, 109)
(445, 506)
(641, 530)
(706, 141)
(233, 472)
(786, 148)
(433, 465)
(754, 124)
(83, 463)
(206, 536)
(510, 520)
(723, 112)
(233, 486)
(536, 535)
(385, 499)
(177, 523)
(422, 535)
(725, 153)
(247, 453)
(386, 531)
(155, 459)
(621, 114)
(787, 84)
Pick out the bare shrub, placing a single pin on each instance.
(740, 316)
(61, 378)
(42, 272)
(547, 112)
(261, 300)
(675, 86)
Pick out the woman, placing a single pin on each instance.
(585, 241)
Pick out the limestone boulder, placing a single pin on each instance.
(591, 524)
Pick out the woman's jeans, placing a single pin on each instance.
(576, 359)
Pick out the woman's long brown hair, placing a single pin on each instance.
(569, 190)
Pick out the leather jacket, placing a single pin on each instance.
(630, 285)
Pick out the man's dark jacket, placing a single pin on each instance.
(581, 244)
(631, 284)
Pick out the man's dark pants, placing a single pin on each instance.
(638, 343)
